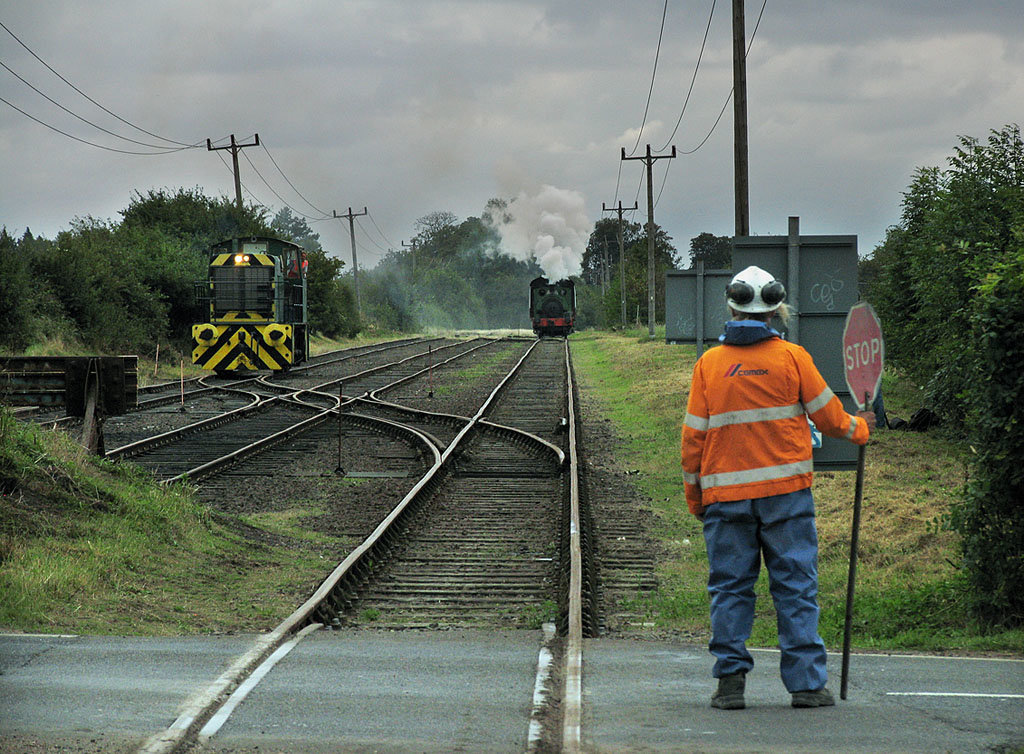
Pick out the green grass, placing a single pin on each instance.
(88, 546)
(909, 592)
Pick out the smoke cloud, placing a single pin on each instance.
(549, 227)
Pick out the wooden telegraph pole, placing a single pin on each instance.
(350, 215)
(622, 255)
(235, 148)
(739, 105)
(413, 247)
(649, 160)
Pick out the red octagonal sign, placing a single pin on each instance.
(863, 354)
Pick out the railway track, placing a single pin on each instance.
(477, 543)
(273, 413)
(490, 535)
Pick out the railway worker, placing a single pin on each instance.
(746, 453)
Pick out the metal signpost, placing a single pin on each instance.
(863, 358)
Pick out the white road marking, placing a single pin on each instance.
(954, 693)
(221, 716)
(544, 662)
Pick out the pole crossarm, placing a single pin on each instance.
(649, 160)
(235, 148)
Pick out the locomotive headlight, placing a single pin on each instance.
(241, 258)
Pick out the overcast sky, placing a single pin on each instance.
(412, 106)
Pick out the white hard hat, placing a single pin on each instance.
(753, 291)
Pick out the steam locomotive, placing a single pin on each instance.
(254, 298)
(552, 306)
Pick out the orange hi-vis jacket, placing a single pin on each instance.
(746, 433)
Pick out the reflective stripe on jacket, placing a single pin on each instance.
(746, 433)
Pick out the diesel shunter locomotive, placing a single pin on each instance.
(254, 299)
(552, 306)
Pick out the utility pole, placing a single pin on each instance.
(739, 105)
(235, 148)
(413, 247)
(649, 160)
(355, 264)
(604, 269)
(622, 255)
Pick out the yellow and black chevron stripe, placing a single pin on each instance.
(238, 347)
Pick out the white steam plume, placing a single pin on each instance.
(549, 227)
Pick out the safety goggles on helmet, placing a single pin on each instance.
(754, 291)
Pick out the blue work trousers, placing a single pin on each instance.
(781, 528)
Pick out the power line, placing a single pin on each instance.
(241, 183)
(728, 99)
(368, 237)
(272, 191)
(45, 96)
(693, 79)
(386, 239)
(325, 214)
(101, 107)
(83, 141)
(654, 73)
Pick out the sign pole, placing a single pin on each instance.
(858, 496)
(863, 361)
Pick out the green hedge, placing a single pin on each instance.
(991, 517)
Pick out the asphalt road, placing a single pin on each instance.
(472, 691)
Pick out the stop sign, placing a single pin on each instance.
(863, 354)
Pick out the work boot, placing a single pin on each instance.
(730, 692)
(820, 698)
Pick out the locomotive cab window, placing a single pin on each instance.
(246, 289)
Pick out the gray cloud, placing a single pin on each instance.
(408, 106)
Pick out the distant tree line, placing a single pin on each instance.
(452, 275)
(124, 286)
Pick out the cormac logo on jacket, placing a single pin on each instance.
(735, 371)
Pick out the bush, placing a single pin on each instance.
(990, 518)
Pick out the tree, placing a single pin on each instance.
(949, 287)
(332, 308)
(290, 227)
(714, 251)
(16, 305)
(955, 225)
(665, 258)
(191, 217)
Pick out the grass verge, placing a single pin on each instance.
(909, 592)
(88, 546)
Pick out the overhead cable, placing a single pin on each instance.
(386, 239)
(731, 90)
(654, 73)
(272, 191)
(325, 214)
(693, 79)
(83, 141)
(368, 236)
(162, 147)
(101, 107)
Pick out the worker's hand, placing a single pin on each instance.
(869, 417)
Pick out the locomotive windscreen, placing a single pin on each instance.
(243, 289)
